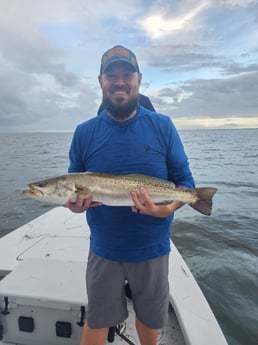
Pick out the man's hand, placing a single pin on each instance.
(148, 207)
(81, 204)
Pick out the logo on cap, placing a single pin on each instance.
(118, 53)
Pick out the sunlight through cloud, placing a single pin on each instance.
(158, 25)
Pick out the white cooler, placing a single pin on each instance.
(43, 302)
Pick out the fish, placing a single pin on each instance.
(114, 190)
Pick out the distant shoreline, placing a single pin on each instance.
(179, 129)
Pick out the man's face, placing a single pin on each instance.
(120, 88)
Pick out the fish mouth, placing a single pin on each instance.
(32, 191)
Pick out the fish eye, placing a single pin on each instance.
(41, 184)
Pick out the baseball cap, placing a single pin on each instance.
(118, 53)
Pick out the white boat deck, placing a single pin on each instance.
(48, 256)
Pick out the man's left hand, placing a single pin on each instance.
(144, 204)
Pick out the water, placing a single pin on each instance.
(221, 250)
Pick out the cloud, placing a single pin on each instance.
(242, 3)
(181, 57)
(36, 89)
(214, 98)
(199, 58)
(46, 70)
(237, 68)
(159, 23)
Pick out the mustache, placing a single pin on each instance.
(119, 88)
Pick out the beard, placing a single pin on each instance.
(121, 111)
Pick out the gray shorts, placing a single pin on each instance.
(148, 280)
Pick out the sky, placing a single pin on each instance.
(199, 60)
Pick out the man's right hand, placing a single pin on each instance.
(81, 204)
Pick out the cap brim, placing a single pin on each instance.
(130, 66)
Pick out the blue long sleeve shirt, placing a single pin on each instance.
(146, 144)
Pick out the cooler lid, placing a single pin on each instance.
(46, 283)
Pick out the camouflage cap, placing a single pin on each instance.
(118, 53)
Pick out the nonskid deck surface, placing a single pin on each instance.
(169, 335)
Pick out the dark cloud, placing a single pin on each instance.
(43, 100)
(34, 54)
(172, 58)
(237, 68)
(235, 96)
(36, 90)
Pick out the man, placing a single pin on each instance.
(127, 243)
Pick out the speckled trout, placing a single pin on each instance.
(114, 190)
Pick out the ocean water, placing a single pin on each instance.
(221, 250)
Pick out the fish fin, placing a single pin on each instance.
(83, 193)
(204, 200)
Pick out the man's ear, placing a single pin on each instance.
(100, 80)
(139, 78)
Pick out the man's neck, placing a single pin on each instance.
(123, 119)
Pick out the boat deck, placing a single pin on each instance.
(44, 263)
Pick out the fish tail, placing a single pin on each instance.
(204, 200)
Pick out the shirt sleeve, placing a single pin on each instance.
(75, 156)
(177, 161)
